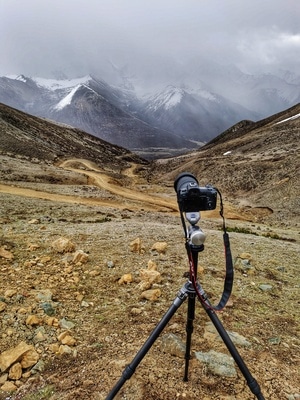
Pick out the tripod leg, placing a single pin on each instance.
(252, 383)
(130, 369)
(189, 331)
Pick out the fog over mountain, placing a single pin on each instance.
(192, 68)
(154, 42)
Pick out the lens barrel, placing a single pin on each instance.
(182, 179)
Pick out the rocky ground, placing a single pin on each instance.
(75, 311)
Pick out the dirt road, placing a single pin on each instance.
(101, 179)
(104, 181)
(132, 197)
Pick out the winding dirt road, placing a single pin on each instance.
(126, 197)
(131, 199)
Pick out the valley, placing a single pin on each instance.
(92, 254)
(97, 300)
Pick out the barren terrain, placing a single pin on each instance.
(83, 307)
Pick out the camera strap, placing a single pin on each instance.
(228, 282)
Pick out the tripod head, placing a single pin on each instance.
(195, 236)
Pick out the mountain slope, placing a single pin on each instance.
(32, 137)
(255, 164)
(86, 109)
(195, 114)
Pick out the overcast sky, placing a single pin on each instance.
(39, 37)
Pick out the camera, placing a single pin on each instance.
(191, 197)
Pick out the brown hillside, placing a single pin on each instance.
(256, 165)
(26, 135)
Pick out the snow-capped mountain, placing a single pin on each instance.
(196, 114)
(178, 115)
(264, 94)
(91, 105)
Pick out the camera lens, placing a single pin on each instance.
(183, 179)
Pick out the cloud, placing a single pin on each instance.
(78, 37)
(269, 49)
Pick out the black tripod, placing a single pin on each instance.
(192, 289)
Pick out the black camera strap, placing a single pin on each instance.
(228, 282)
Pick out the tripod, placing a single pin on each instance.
(190, 290)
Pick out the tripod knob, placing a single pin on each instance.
(197, 236)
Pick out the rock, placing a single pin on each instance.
(9, 293)
(265, 287)
(3, 378)
(45, 259)
(159, 247)
(136, 311)
(51, 321)
(274, 340)
(23, 310)
(33, 320)
(39, 337)
(48, 308)
(44, 295)
(238, 339)
(64, 324)
(34, 221)
(15, 371)
(110, 264)
(245, 256)
(144, 286)
(32, 247)
(8, 387)
(243, 264)
(95, 272)
(18, 353)
(63, 245)
(4, 253)
(29, 358)
(39, 367)
(211, 334)
(218, 363)
(66, 339)
(152, 265)
(54, 347)
(2, 306)
(150, 276)
(173, 345)
(127, 278)
(80, 257)
(79, 297)
(152, 294)
(64, 349)
(136, 246)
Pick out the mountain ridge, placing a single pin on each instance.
(25, 135)
(203, 109)
(93, 106)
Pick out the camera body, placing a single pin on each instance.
(191, 197)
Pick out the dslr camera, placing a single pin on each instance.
(191, 197)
